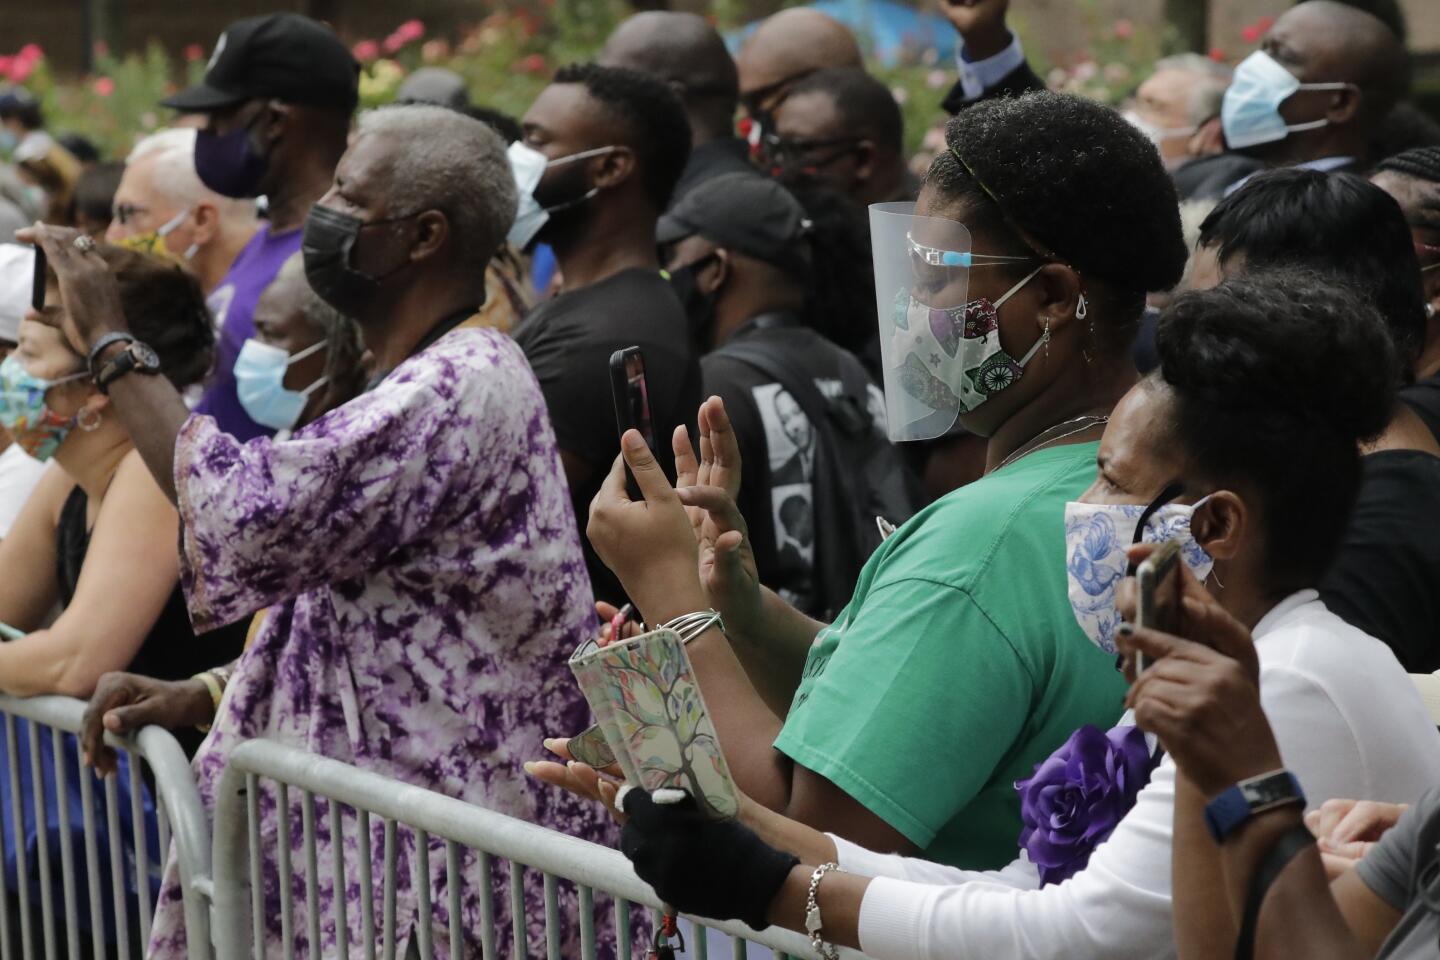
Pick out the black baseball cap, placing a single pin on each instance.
(745, 212)
(283, 55)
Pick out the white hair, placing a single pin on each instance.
(453, 163)
(172, 175)
(1208, 87)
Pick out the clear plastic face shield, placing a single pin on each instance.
(941, 351)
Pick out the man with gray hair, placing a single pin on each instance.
(162, 207)
(1176, 101)
(415, 547)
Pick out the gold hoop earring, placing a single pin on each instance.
(87, 420)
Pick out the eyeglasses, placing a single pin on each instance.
(787, 152)
(126, 212)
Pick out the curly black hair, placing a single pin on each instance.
(1421, 163)
(1080, 180)
(648, 115)
(1339, 224)
(866, 106)
(1277, 377)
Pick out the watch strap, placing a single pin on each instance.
(1268, 791)
(98, 347)
(132, 358)
(1286, 849)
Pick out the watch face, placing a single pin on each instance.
(145, 357)
(1270, 790)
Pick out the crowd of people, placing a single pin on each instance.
(307, 434)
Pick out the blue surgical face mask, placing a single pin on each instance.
(8, 140)
(1250, 112)
(260, 382)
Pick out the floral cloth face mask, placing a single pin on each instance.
(953, 357)
(37, 429)
(1097, 536)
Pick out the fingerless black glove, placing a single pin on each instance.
(711, 868)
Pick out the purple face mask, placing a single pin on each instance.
(229, 164)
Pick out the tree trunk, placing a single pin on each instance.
(1191, 20)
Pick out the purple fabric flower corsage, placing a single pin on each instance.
(1078, 795)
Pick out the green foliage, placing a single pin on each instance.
(509, 56)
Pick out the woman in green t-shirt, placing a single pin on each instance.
(958, 664)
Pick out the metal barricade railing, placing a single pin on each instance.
(239, 924)
(179, 815)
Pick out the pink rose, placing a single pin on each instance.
(393, 42)
(366, 50)
(104, 86)
(411, 30)
(31, 52)
(1124, 29)
(20, 69)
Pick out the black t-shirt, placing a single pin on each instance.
(777, 448)
(569, 340)
(1423, 397)
(1386, 580)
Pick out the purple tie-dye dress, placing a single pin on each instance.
(420, 557)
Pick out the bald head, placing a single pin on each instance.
(788, 45)
(685, 51)
(1322, 41)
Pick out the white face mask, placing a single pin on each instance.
(1250, 112)
(1157, 135)
(528, 166)
(1097, 536)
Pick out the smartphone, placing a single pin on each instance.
(37, 290)
(1158, 592)
(632, 401)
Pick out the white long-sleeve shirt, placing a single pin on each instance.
(1349, 723)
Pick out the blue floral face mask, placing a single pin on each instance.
(1097, 536)
(37, 429)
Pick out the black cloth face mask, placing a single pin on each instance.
(328, 249)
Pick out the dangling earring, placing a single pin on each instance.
(1082, 309)
(1429, 311)
(87, 420)
(1045, 338)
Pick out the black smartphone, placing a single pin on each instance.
(632, 401)
(37, 291)
(1158, 592)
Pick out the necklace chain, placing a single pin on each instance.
(1091, 420)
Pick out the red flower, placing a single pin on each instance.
(1124, 29)
(393, 42)
(535, 63)
(411, 30)
(366, 50)
(20, 69)
(31, 52)
(1217, 55)
(104, 86)
(1252, 33)
(194, 52)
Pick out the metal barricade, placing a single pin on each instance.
(180, 816)
(238, 921)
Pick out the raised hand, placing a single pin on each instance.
(89, 292)
(981, 23)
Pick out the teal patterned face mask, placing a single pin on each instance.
(953, 359)
(37, 429)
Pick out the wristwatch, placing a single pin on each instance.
(1227, 812)
(137, 358)
(99, 347)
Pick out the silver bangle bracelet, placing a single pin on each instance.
(692, 625)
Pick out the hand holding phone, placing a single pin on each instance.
(1157, 598)
(631, 394)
